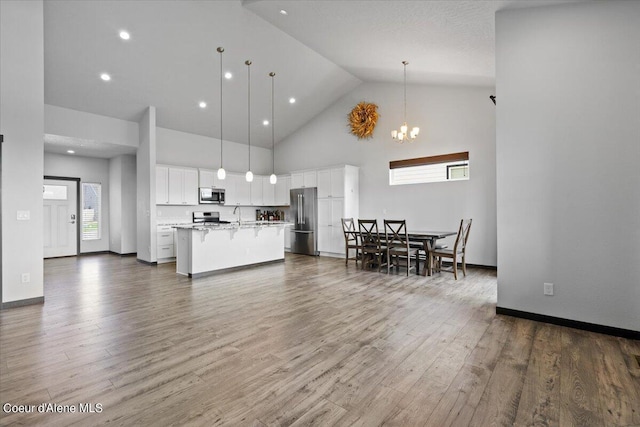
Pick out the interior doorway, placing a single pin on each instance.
(61, 197)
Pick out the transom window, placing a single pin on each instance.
(445, 167)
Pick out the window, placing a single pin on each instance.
(458, 171)
(54, 192)
(446, 167)
(91, 211)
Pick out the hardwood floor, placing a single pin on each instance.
(307, 342)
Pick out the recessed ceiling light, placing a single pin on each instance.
(70, 151)
(292, 100)
(228, 75)
(202, 104)
(124, 35)
(106, 77)
(265, 122)
(283, 12)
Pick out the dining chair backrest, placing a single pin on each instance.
(369, 236)
(348, 227)
(396, 233)
(463, 235)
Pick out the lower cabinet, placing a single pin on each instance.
(330, 236)
(165, 247)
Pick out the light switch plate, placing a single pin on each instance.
(548, 288)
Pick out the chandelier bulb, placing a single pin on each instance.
(273, 178)
(249, 176)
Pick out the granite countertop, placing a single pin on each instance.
(234, 225)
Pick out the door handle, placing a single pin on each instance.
(72, 222)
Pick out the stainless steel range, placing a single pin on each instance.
(207, 218)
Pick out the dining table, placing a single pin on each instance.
(419, 239)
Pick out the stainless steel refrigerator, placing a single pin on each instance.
(304, 213)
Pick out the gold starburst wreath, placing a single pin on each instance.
(363, 119)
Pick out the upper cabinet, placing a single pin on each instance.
(179, 186)
(176, 185)
(331, 182)
(162, 185)
(238, 190)
(268, 192)
(304, 179)
(257, 193)
(209, 178)
(183, 186)
(283, 185)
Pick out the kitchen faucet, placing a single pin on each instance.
(237, 208)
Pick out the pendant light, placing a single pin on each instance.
(273, 178)
(249, 175)
(221, 172)
(403, 134)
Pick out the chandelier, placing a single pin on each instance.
(404, 134)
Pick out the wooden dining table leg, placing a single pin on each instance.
(428, 259)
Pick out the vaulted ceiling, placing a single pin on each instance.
(319, 50)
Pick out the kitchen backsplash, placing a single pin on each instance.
(182, 214)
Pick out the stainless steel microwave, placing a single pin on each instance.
(210, 195)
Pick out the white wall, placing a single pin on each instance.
(568, 150)
(89, 170)
(122, 203)
(22, 124)
(79, 124)
(115, 204)
(146, 188)
(190, 150)
(451, 119)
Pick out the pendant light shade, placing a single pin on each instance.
(249, 174)
(273, 178)
(221, 172)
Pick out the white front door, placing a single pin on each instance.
(60, 218)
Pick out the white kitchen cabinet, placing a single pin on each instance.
(331, 182)
(238, 190)
(183, 186)
(330, 236)
(338, 182)
(268, 192)
(162, 185)
(190, 187)
(257, 193)
(304, 179)
(283, 187)
(209, 178)
(338, 198)
(165, 247)
(287, 239)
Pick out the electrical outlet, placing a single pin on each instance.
(26, 277)
(24, 215)
(548, 288)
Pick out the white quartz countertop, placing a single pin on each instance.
(234, 225)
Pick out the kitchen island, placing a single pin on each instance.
(205, 249)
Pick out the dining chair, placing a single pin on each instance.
(458, 252)
(398, 247)
(373, 251)
(350, 240)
